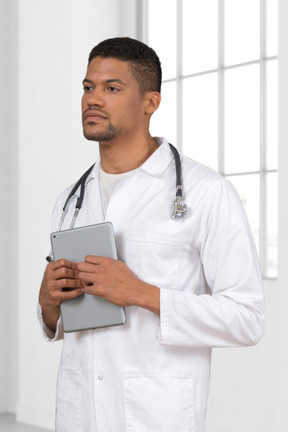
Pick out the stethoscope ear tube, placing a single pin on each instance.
(179, 208)
(81, 183)
(178, 170)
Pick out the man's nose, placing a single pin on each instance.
(95, 98)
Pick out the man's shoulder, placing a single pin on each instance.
(197, 170)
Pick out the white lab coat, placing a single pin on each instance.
(152, 374)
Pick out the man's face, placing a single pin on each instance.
(112, 105)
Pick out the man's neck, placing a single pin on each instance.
(119, 157)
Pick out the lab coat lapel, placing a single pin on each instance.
(92, 212)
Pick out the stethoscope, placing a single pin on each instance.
(179, 208)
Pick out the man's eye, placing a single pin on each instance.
(113, 89)
(87, 89)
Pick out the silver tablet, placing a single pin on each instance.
(87, 311)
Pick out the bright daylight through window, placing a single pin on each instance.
(219, 61)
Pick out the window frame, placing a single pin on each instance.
(263, 172)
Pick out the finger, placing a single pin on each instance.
(60, 274)
(87, 267)
(62, 263)
(58, 293)
(64, 284)
(66, 295)
(93, 259)
(64, 272)
(87, 278)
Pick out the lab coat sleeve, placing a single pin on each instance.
(233, 315)
(47, 333)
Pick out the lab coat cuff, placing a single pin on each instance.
(48, 334)
(165, 331)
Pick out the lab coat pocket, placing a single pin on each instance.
(69, 390)
(154, 258)
(159, 401)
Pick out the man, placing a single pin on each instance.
(188, 284)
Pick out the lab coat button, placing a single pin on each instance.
(100, 378)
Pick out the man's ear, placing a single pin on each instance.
(152, 102)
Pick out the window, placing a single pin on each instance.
(219, 93)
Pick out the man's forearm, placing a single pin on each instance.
(149, 298)
(50, 317)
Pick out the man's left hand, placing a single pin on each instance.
(114, 281)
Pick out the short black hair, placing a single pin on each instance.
(144, 62)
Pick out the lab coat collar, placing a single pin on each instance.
(155, 165)
(158, 162)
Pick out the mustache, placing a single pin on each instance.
(103, 113)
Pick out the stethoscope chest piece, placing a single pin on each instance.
(179, 209)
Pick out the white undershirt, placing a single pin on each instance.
(108, 183)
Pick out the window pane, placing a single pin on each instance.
(163, 120)
(248, 188)
(163, 37)
(242, 119)
(272, 115)
(272, 27)
(200, 127)
(200, 34)
(242, 31)
(272, 225)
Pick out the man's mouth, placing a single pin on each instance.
(93, 115)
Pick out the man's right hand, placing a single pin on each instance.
(59, 276)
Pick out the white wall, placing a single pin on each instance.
(40, 131)
(4, 132)
(9, 204)
(55, 38)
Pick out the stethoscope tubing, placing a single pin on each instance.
(179, 208)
